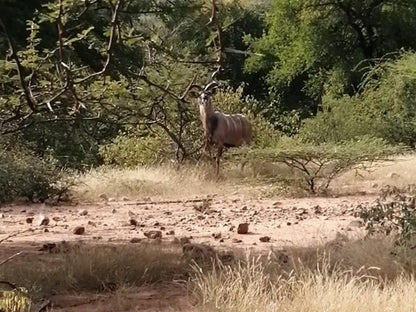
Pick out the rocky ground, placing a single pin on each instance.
(233, 222)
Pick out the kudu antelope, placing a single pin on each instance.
(221, 129)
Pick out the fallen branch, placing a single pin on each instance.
(15, 234)
(11, 257)
(169, 202)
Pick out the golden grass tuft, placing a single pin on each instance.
(363, 275)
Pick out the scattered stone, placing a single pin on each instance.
(232, 227)
(242, 228)
(56, 219)
(236, 240)
(83, 212)
(103, 196)
(216, 235)
(91, 223)
(79, 230)
(184, 240)
(317, 209)
(43, 220)
(265, 239)
(135, 240)
(244, 208)
(162, 228)
(153, 234)
(97, 237)
(125, 198)
(289, 223)
(168, 213)
(114, 210)
(46, 230)
(222, 240)
(156, 223)
(29, 220)
(133, 222)
(48, 247)
(171, 232)
(197, 251)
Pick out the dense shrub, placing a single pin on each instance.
(24, 175)
(137, 150)
(321, 163)
(385, 107)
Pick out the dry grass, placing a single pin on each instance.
(343, 276)
(400, 172)
(96, 268)
(257, 178)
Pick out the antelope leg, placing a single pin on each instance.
(219, 153)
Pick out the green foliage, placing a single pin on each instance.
(24, 175)
(310, 44)
(386, 107)
(15, 300)
(135, 150)
(320, 164)
(393, 212)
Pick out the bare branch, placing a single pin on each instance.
(114, 18)
(31, 101)
(11, 257)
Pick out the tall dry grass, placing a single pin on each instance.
(345, 276)
(96, 268)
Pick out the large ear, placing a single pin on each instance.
(194, 91)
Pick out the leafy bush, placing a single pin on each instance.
(385, 107)
(22, 174)
(393, 212)
(133, 150)
(320, 164)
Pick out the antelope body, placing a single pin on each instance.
(223, 130)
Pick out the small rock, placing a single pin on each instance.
(1, 215)
(197, 251)
(91, 223)
(156, 223)
(153, 234)
(236, 240)
(135, 240)
(171, 232)
(265, 239)
(56, 219)
(242, 228)
(133, 222)
(113, 211)
(216, 235)
(29, 220)
(184, 240)
(222, 240)
(103, 196)
(244, 208)
(46, 230)
(289, 223)
(162, 228)
(43, 220)
(79, 230)
(83, 212)
(232, 227)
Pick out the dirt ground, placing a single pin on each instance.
(212, 220)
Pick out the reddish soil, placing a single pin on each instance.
(288, 222)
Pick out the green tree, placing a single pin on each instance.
(317, 46)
